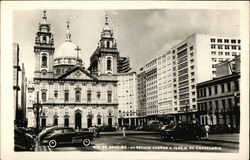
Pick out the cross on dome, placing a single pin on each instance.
(106, 21)
(77, 50)
(44, 17)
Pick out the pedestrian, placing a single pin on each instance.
(230, 128)
(97, 132)
(207, 130)
(123, 131)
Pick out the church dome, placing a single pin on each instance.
(66, 49)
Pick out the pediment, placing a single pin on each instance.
(77, 73)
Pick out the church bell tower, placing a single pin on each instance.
(104, 59)
(44, 50)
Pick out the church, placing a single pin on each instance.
(72, 95)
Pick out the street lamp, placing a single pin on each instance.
(37, 107)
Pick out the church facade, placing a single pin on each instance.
(72, 95)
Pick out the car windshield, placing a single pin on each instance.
(46, 129)
(170, 126)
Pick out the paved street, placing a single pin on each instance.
(151, 142)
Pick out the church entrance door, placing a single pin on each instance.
(110, 121)
(78, 121)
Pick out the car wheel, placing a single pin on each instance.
(86, 142)
(52, 143)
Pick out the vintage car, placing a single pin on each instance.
(23, 141)
(182, 131)
(67, 135)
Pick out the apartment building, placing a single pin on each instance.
(165, 83)
(151, 88)
(127, 98)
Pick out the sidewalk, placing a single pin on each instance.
(223, 137)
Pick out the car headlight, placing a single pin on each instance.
(45, 141)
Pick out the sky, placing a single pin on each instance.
(141, 34)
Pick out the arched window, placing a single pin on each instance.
(89, 96)
(44, 96)
(55, 123)
(44, 39)
(109, 64)
(44, 61)
(108, 44)
(66, 96)
(57, 71)
(99, 121)
(109, 97)
(78, 96)
(56, 94)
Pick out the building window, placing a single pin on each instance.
(233, 53)
(213, 65)
(108, 64)
(220, 59)
(213, 59)
(220, 53)
(191, 48)
(99, 121)
(226, 40)
(226, 47)
(213, 53)
(44, 61)
(222, 88)
(212, 40)
(219, 40)
(89, 96)
(219, 46)
(215, 89)
(109, 97)
(66, 122)
(55, 123)
(236, 85)
(233, 41)
(44, 97)
(229, 87)
(56, 94)
(213, 46)
(239, 48)
(98, 95)
(227, 53)
(66, 96)
(209, 91)
(233, 47)
(78, 96)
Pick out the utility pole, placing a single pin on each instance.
(36, 108)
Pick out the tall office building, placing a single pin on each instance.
(165, 83)
(141, 93)
(172, 77)
(151, 89)
(194, 61)
(127, 98)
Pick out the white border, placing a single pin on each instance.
(7, 111)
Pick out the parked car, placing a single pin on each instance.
(23, 141)
(219, 128)
(67, 135)
(31, 131)
(107, 129)
(182, 131)
(47, 131)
